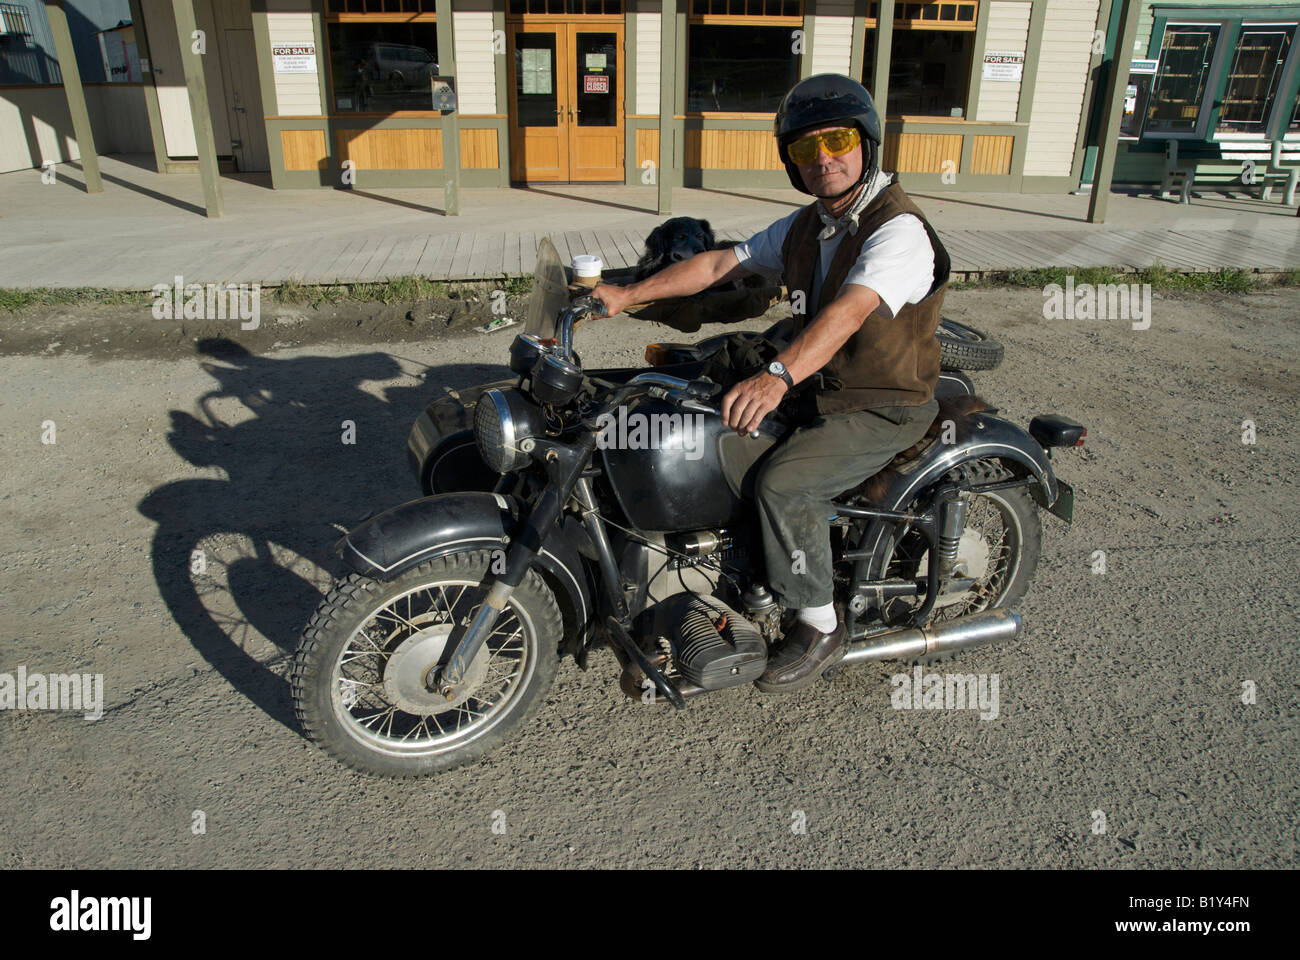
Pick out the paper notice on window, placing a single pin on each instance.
(595, 61)
(1004, 65)
(535, 72)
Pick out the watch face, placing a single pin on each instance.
(776, 367)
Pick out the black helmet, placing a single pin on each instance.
(824, 99)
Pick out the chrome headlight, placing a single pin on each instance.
(503, 419)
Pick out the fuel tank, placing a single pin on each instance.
(672, 470)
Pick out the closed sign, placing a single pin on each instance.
(595, 83)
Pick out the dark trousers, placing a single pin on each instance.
(817, 461)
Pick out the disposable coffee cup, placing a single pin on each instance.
(586, 270)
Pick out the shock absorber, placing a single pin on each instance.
(952, 521)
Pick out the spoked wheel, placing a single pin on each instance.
(999, 550)
(360, 674)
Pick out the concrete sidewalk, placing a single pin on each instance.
(146, 228)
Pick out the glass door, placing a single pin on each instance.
(539, 127)
(596, 130)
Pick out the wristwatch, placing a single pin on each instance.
(777, 369)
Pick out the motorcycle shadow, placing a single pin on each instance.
(306, 451)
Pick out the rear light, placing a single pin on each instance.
(1081, 436)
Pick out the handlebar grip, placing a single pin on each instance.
(702, 389)
(590, 304)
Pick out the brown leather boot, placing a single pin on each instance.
(802, 658)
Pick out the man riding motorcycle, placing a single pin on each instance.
(861, 262)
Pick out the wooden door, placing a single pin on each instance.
(566, 101)
(596, 98)
(244, 102)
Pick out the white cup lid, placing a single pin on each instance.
(587, 265)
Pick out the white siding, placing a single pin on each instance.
(1058, 92)
(647, 62)
(1008, 31)
(476, 78)
(832, 36)
(296, 94)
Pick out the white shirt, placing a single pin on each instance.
(897, 262)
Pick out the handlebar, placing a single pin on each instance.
(578, 310)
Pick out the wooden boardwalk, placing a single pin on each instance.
(469, 256)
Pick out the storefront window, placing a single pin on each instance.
(928, 71)
(1253, 78)
(739, 68)
(1186, 55)
(380, 67)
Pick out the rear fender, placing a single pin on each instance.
(989, 438)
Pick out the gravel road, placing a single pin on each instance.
(1121, 705)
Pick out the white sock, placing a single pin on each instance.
(823, 617)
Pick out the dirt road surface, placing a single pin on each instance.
(1147, 717)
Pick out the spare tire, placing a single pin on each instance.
(965, 348)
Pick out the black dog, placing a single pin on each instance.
(675, 240)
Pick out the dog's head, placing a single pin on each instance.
(673, 241)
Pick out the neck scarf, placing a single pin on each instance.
(849, 221)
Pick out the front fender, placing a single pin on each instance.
(387, 545)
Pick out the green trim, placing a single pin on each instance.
(75, 95)
(1087, 108)
(1113, 107)
(1175, 12)
(1287, 92)
(716, 179)
(858, 45)
(884, 49)
(672, 53)
(266, 84)
(630, 173)
(499, 60)
(1029, 75)
(150, 88)
(200, 112)
(450, 120)
(974, 84)
(805, 58)
(324, 80)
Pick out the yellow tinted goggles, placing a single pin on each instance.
(836, 143)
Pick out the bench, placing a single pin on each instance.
(1271, 167)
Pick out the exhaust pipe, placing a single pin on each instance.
(979, 628)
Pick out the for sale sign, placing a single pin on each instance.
(294, 57)
(595, 83)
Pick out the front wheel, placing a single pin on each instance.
(358, 675)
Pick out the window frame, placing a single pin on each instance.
(1231, 24)
(331, 18)
(914, 25)
(735, 20)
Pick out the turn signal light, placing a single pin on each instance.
(656, 354)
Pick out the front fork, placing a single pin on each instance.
(564, 466)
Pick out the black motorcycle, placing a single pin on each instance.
(539, 539)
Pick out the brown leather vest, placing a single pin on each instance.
(887, 361)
